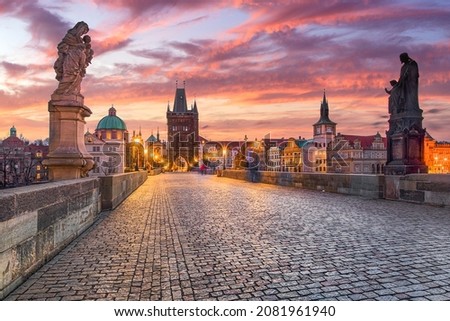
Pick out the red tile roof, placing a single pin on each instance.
(366, 141)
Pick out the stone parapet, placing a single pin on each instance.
(433, 189)
(36, 222)
(155, 171)
(371, 186)
(116, 188)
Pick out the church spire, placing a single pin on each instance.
(324, 111)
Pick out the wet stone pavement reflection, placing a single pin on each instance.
(201, 237)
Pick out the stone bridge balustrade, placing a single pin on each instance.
(38, 221)
(432, 189)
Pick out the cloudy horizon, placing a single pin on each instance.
(253, 67)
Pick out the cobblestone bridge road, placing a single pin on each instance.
(194, 237)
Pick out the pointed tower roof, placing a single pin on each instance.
(324, 112)
(180, 103)
(151, 139)
(195, 110)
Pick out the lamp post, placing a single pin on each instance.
(200, 156)
(137, 141)
(145, 157)
(224, 152)
(245, 150)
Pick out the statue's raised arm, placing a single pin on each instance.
(74, 55)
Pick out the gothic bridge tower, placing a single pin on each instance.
(182, 129)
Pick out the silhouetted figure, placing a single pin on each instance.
(394, 94)
(408, 84)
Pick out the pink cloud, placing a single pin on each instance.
(282, 54)
(13, 70)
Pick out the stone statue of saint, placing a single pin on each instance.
(74, 55)
(394, 95)
(404, 95)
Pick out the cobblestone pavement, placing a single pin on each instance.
(201, 237)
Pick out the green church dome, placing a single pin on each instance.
(111, 121)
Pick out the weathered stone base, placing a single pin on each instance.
(68, 157)
(405, 169)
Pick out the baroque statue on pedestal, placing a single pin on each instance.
(405, 137)
(74, 55)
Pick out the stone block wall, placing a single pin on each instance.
(433, 189)
(38, 221)
(116, 188)
(371, 186)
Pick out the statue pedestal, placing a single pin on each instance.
(405, 144)
(68, 157)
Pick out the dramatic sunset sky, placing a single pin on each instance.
(254, 67)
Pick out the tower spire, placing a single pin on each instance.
(324, 112)
(195, 110)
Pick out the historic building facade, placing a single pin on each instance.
(183, 133)
(21, 163)
(136, 157)
(328, 152)
(108, 144)
(355, 154)
(292, 159)
(437, 155)
(155, 151)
